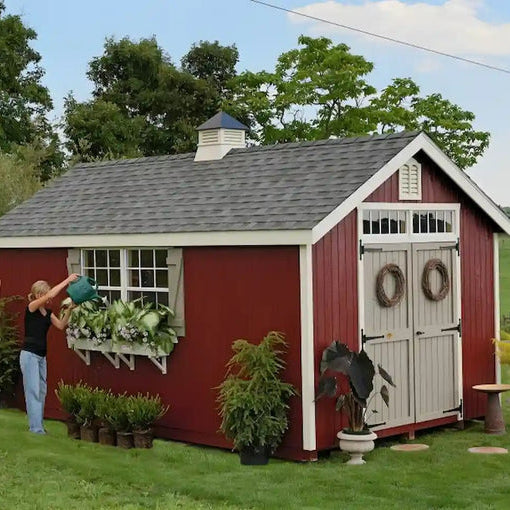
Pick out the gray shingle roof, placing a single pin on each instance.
(287, 186)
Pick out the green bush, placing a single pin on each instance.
(118, 417)
(253, 400)
(144, 411)
(87, 400)
(9, 347)
(67, 395)
(105, 402)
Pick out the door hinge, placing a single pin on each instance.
(365, 338)
(458, 328)
(457, 246)
(361, 249)
(377, 425)
(459, 409)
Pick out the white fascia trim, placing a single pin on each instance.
(307, 351)
(252, 238)
(421, 142)
(409, 206)
(497, 333)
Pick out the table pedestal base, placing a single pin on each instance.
(494, 423)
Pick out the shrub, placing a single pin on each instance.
(253, 399)
(144, 411)
(67, 395)
(118, 416)
(9, 347)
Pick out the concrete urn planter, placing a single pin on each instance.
(356, 445)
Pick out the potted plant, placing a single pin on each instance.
(67, 395)
(86, 416)
(143, 413)
(104, 403)
(9, 350)
(253, 400)
(118, 417)
(357, 439)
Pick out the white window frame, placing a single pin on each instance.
(125, 288)
(409, 236)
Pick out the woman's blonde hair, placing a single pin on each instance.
(40, 287)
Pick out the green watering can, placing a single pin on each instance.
(83, 289)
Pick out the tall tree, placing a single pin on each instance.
(400, 106)
(24, 101)
(214, 63)
(320, 90)
(142, 103)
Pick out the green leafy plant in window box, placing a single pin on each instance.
(125, 326)
(146, 324)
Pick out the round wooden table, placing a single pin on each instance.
(494, 423)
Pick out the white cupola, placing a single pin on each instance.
(218, 135)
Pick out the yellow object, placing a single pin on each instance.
(503, 349)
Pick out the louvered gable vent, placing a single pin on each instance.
(409, 179)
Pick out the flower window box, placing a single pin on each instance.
(122, 331)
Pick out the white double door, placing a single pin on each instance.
(418, 340)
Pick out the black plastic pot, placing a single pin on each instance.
(254, 455)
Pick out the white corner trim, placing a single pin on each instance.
(497, 333)
(307, 350)
(421, 142)
(247, 238)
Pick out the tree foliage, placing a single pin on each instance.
(142, 104)
(24, 101)
(321, 90)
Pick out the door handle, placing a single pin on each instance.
(420, 332)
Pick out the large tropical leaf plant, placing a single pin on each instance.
(337, 358)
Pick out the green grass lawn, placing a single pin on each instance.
(54, 472)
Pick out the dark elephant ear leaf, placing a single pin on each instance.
(385, 395)
(386, 376)
(336, 357)
(327, 386)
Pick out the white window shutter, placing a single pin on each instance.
(176, 289)
(409, 181)
(73, 261)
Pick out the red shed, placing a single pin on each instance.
(292, 237)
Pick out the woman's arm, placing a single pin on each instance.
(37, 303)
(64, 321)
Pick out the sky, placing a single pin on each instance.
(70, 33)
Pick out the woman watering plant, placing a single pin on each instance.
(38, 320)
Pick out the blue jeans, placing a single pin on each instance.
(33, 368)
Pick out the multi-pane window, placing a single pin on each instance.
(147, 275)
(129, 273)
(105, 268)
(429, 222)
(403, 222)
(384, 221)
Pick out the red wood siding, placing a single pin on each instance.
(230, 293)
(335, 307)
(336, 297)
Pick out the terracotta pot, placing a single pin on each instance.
(88, 433)
(106, 436)
(143, 438)
(73, 429)
(356, 445)
(125, 440)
